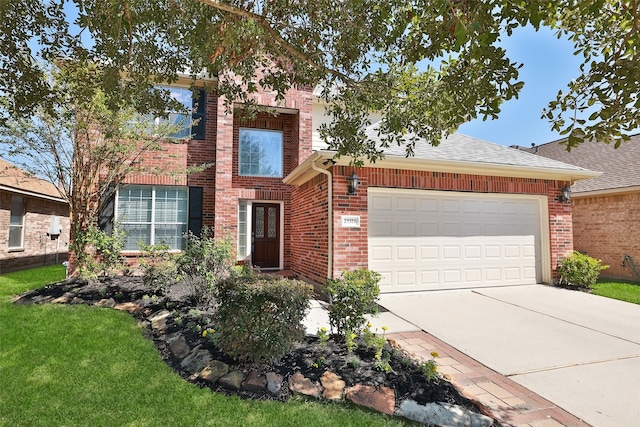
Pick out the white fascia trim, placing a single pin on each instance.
(606, 192)
(33, 194)
(304, 172)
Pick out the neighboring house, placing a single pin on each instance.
(606, 209)
(34, 219)
(464, 214)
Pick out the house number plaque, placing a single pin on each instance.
(350, 221)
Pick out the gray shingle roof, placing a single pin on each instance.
(620, 166)
(463, 148)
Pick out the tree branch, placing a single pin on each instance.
(277, 37)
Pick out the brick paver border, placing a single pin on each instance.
(502, 398)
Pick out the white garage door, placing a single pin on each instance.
(427, 240)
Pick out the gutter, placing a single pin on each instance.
(330, 215)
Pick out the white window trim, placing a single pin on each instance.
(281, 175)
(153, 213)
(22, 226)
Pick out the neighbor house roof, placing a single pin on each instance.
(620, 168)
(16, 180)
(456, 154)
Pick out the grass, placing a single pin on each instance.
(79, 365)
(618, 289)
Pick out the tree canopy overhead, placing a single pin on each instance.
(427, 65)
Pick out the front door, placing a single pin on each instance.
(265, 235)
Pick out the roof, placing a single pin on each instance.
(619, 165)
(456, 154)
(16, 180)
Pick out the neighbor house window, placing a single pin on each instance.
(152, 215)
(260, 153)
(16, 222)
(191, 118)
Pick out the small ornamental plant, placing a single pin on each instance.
(580, 270)
(429, 368)
(353, 296)
(323, 336)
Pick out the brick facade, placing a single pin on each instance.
(38, 249)
(606, 228)
(350, 245)
(305, 208)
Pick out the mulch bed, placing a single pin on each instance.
(308, 357)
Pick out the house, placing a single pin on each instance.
(466, 213)
(34, 219)
(606, 209)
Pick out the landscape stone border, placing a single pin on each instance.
(202, 367)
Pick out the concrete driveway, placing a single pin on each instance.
(580, 351)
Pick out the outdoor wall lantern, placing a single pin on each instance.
(353, 181)
(565, 196)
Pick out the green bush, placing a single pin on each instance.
(258, 320)
(158, 266)
(99, 253)
(205, 262)
(353, 296)
(580, 270)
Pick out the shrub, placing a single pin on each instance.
(102, 253)
(580, 270)
(205, 262)
(353, 296)
(158, 267)
(258, 320)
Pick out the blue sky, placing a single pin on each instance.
(549, 64)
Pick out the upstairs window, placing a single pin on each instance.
(152, 215)
(260, 153)
(16, 223)
(192, 117)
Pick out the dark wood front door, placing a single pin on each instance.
(265, 235)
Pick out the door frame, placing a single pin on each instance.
(249, 204)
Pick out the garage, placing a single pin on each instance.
(430, 240)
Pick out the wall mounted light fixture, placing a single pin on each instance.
(565, 196)
(353, 181)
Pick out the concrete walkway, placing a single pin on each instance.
(579, 351)
(509, 402)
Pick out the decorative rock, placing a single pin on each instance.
(333, 386)
(442, 414)
(274, 382)
(382, 399)
(214, 371)
(254, 382)
(298, 383)
(159, 320)
(60, 300)
(196, 361)
(106, 303)
(233, 380)
(77, 300)
(129, 307)
(179, 346)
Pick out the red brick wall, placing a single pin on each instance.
(606, 228)
(350, 244)
(230, 188)
(309, 230)
(38, 249)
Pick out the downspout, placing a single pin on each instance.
(330, 214)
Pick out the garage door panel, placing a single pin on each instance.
(431, 240)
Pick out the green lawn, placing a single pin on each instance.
(618, 289)
(79, 365)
